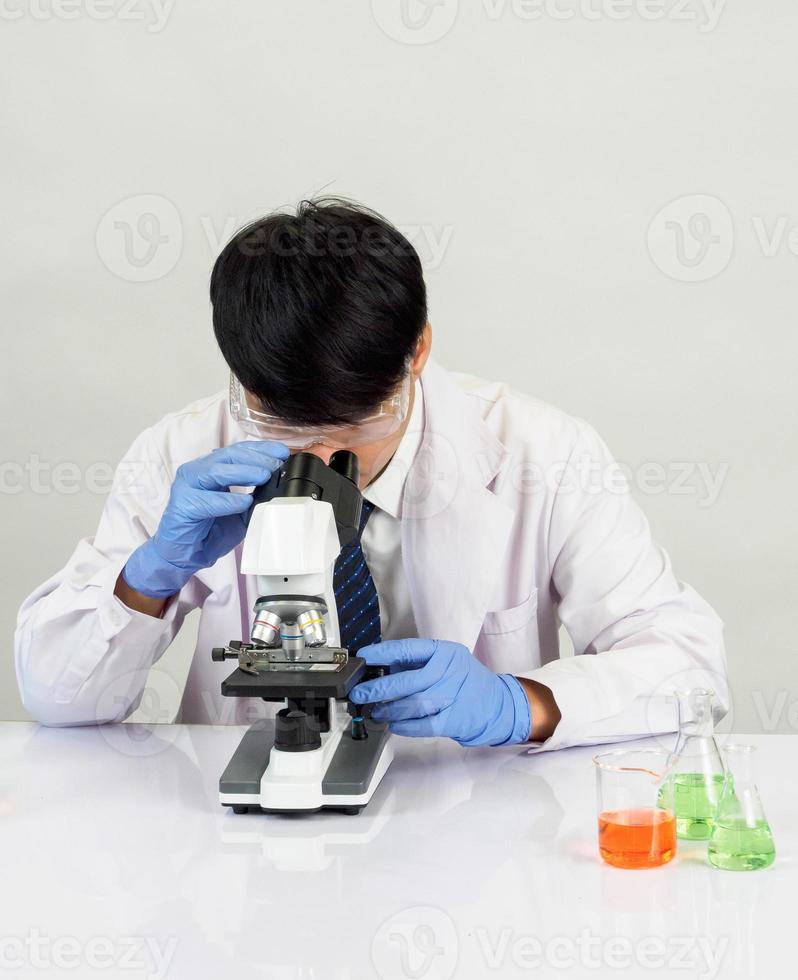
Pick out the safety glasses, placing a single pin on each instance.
(379, 424)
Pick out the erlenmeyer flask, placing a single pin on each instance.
(741, 836)
(697, 766)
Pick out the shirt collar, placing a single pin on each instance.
(387, 490)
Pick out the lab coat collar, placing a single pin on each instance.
(387, 491)
(455, 530)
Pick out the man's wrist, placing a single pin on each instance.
(543, 709)
(137, 601)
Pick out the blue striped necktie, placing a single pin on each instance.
(355, 594)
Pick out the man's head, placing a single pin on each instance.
(320, 314)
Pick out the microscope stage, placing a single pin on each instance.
(317, 680)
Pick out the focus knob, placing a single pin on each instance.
(296, 731)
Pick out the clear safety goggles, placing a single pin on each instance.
(379, 424)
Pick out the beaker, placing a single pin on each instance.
(636, 823)
(697, 766)
(741, 837)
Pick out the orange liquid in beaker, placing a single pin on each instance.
(644, 838)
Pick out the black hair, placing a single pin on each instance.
(317, 313)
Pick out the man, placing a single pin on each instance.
(492, 519)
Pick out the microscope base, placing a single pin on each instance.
(343, 774)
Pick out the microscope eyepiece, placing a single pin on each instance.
(345, 462)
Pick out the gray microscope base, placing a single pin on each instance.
(349, 774)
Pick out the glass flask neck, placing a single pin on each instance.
(740, 764)
(695, 714)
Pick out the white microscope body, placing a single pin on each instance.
(315, 753)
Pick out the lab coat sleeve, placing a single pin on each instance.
(82, 656)
(639, 635)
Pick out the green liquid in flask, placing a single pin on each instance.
(694, 803)
(736, 846)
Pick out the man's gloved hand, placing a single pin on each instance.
(440, 688)
(202, 520)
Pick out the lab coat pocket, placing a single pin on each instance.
(510, 620)
(508, 641)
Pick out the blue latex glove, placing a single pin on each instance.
(202, 520)
(440, 688)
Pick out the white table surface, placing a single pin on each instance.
(117, 860)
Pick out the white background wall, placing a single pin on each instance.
(534, 150)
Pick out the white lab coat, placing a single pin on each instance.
(502, 541)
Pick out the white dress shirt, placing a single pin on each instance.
(382, 535)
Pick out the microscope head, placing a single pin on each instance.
(298, 524)
(298, 535)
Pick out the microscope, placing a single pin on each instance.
(320, 750)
